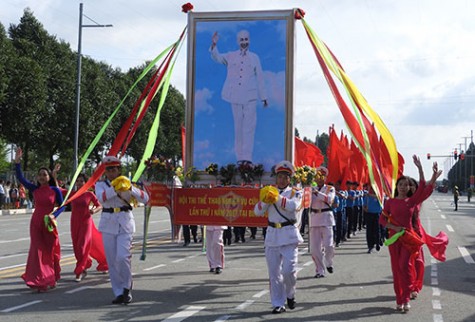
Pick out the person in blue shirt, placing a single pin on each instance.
(350, 215)
(372, 208)
(340, 214)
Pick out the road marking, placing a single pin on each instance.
(186, 313)
(153, 267)
(244, 305)
(433, 273)
(435, 291)
(434, 281)
(14, 308)
(466, 255)
(436, 305)
(438, 318)
(14, 240)
(178, 260)
(223, 318)
(10, 267)
(261, 293)
(443, 217)
(449, 228)
(308, 263)
(79, 289)
(14, 255)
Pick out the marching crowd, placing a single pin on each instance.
(335, 215)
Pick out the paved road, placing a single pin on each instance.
(173, 283)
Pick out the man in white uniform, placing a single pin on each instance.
(282, 238)
(321, 222)
(117, 225)
(243, 86)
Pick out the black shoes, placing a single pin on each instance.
(319, 275)
(218, 270)
(330, 269)
(278, 310)
(125, 298)
(291, 303)
(118, 300)
(211, 270)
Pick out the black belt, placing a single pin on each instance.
(280, 224)
(117, 209)
(320, 210)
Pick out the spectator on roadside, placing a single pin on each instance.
(2, 194)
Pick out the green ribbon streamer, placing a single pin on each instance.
(394, 238)
(153, 133)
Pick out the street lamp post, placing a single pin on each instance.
(78, 82)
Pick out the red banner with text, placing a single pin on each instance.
(217, 206)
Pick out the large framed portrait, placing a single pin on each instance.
(240, 88)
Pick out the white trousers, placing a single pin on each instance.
(321, 247)
(245, 119)
(282, 266)
(118, 254)
(215, 248)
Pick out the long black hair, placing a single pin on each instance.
(52, 180)
(396, 193)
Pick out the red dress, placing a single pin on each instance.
(401, 211)
(42, 267)
(437, 245)
(87, 240)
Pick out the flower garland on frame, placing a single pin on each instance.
(159, 169)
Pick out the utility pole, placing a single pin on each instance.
(465, 161)
(78, 80)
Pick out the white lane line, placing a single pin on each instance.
(244, 305)
(178, 260)
(153, 267)
(450, 228)
(14, 240)
(261, 293)
(223, 318)
(435, 291)
(466, 255)
(436, 305)
(433, 273)
(308, 263)
(14, 255)
(79, 289)
(438, 318)
(9, 295)
(186, 313)
(434, 281)
(13, 266)
(443, 217)
(14, 308)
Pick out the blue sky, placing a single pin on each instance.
(412, 60)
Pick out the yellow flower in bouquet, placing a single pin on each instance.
(304, 175)
(269, 194)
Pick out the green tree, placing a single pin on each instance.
(6, 53)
